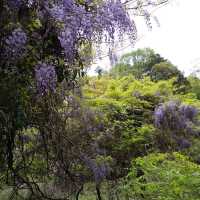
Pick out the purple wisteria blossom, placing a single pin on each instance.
(15, 43)
(175, 117)
(183, 143)
(45, 78)
(80, 22)
(188, 112)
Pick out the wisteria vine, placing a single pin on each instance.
(76, 24)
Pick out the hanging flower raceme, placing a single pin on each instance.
(15, 43)
(90, 22)
(46, 78)
(175, 117)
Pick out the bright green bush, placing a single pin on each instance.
(128, 107)
(163, 177)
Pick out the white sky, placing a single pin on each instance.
(177, 38)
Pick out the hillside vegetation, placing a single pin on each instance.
(151, 126)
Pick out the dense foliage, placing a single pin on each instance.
(138, 63)
(44, 48)
(144, 117)
(163, 177)
(58, 138)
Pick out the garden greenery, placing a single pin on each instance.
(63, 134)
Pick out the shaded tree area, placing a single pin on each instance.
(64, 135)
(48, 147)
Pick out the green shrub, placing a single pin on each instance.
(163, 177)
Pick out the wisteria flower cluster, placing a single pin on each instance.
(90, 22)
(74, 27)
(15, 43)
(174, 116)
(46, 78)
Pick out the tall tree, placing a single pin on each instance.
(139, 63)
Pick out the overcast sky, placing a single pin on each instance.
(177, 38)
